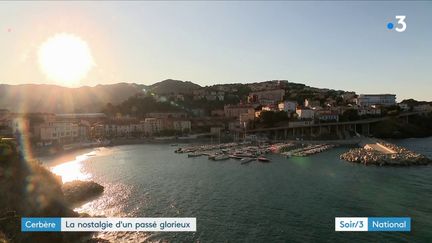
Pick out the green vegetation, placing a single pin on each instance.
(7, 151)
(270, 118)
(28, 189)
(391, 111)
(417, 126)
(139, 106)
(207, 105)
(412, 102)
(349, 115)
(171, 86)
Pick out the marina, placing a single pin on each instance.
(369, 151)
(248, 152)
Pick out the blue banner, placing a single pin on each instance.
(389, 224)
(40, 224)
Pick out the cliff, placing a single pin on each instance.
(27, 189)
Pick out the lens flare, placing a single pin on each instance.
(65, 58)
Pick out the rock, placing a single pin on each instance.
(76, 192)
(97, 240)
(402, 157)
(27, 189)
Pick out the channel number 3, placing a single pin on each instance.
(401, 23)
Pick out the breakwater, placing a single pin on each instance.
(396, 155)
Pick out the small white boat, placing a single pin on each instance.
(246, 160)
(221, 157)
(194, 155)
(235, 157)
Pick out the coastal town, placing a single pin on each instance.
(253, 110)
(271, 111)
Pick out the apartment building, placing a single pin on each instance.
(366, 100)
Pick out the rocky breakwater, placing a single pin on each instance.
(400, 157)
(76, 192)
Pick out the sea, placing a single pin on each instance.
(287, 200)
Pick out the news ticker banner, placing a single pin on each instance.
(189, 224)
(372, 224)
(108, 224)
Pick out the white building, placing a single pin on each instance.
(136, 127)
(305, 113)
(369, 111)
(287, 106)
(327, 115)
(152, 126)
(266, 96)
(366, 100)
(123, 129)
(182, 125)
(83, 132)
(312, 103)
(236, 110)
(59, 131)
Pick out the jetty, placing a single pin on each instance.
(382, 153)
(307, 150)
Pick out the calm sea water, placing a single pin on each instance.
(287, 200)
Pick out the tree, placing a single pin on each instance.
(269, 118)
(140, 106)
(349, 115)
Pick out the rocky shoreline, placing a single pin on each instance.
(401, 157)
(76, 192)
(28, 189)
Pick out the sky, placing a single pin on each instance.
(328, 44)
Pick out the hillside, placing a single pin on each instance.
(52, 98)
(57, 99)
(170, 86)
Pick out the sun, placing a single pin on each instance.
(65, 58)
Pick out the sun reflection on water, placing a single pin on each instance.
(73, 170)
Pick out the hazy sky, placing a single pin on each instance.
(340, 45)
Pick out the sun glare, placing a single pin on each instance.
(65, 58)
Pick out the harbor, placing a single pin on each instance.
(368, 151)
(247, 152)
(147, 179)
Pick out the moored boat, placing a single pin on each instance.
(233, 156)
(221, 157)
(194, 155)
(263, 159)
(246, 160)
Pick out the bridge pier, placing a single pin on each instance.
(366, 129)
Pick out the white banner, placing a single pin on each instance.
(351, 224)
(128, 224)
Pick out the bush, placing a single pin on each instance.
(7, 151)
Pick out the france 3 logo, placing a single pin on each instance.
(401, 24)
